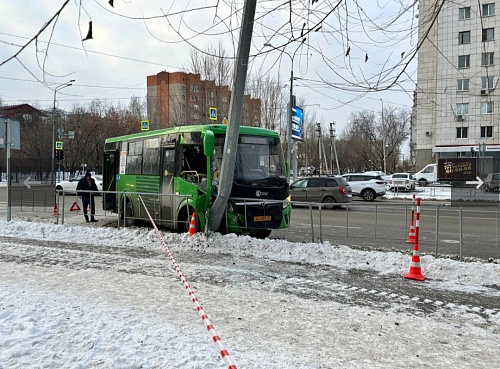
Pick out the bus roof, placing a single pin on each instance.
(216, 128)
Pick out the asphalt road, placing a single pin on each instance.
(470, 232)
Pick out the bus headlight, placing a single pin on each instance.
(285, 204)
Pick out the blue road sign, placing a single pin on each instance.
(213, 113)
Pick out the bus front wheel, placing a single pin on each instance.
(260, 234)
(184, 220)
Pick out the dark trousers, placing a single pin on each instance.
(86, 200)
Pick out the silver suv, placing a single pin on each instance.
(367, 186)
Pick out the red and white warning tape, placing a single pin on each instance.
(215, 337)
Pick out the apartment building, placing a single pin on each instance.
(178, 98)
(458, 92)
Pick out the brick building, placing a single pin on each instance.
(178, 98)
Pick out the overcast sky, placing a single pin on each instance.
(123, 51)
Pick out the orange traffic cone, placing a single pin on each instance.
(54, 213)
(411, 236)
(192, 225)
(415, 270)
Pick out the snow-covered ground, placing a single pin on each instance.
(122, 313)
(97, 297)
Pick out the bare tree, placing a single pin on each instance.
(273, 101)
(364, 138)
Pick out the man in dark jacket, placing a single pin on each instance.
(87, 184)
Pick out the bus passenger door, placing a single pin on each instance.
(109, 180)
(167, 183)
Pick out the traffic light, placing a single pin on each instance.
(61, 154)
(56, 155)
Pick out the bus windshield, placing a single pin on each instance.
(258, 158)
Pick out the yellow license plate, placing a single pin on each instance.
(262, 218)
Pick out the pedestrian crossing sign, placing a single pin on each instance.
(213, 113)
(145, 125)
(59, 145)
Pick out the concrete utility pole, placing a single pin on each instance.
(333, 136)
(383, 138)
(233, 127)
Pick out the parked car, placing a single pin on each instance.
(403, 181)
(69, 186)
(492, 182)
(367, 186)
(331, 191)
(385, 177)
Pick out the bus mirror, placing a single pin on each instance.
(208, 143)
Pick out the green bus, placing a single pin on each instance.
(180, 168)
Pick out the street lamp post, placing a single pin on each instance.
(383, 138)
(58, 88)
(289, 117)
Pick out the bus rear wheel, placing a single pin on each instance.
(127, 214)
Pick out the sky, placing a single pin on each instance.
(78, 296)
(123, 51)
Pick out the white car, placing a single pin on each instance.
(69, 186)
(385, 177)
(367, 186)
(404, 181)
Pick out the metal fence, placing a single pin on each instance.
(459, 232)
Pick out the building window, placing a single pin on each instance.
(462, 108)
(211, 94)
(196, 107)
(486, 59)
(195, 88)
(486, 131)
(487, 83)
(224, 99)
(462, 85)
(464, 13)
(487, 107)
(196, 115)
(464, 61)
(194, 98)
(488, 9)
(464, 37)
(462, 132)
(488, 34)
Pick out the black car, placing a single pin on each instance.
(331, 191)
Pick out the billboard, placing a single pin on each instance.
(15, 134)
(297, 124)
(457, 169)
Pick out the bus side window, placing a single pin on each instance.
(169, 162)
(194, 160)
